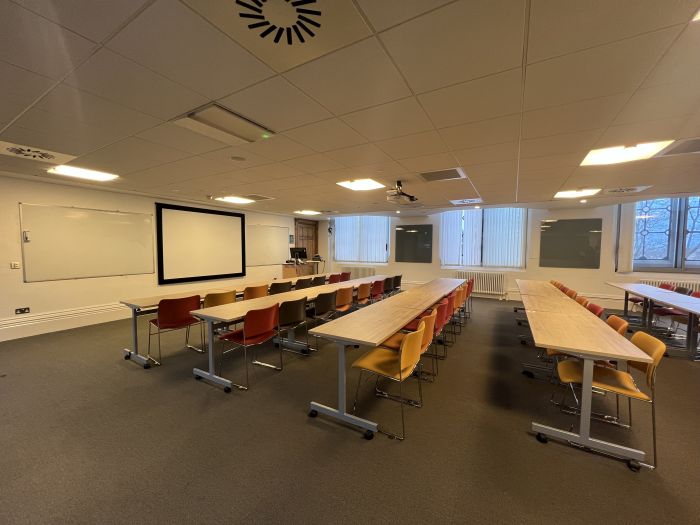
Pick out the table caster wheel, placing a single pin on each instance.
(368, 435)
(227, 389)
(356, 346)
(528, 373)
(541, 438)
(146, 366)
(519, 323)
(313, 413)
(127, 356)
(523, 342)
(198, 378)
(633, 465)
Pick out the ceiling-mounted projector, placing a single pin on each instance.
(398, 196)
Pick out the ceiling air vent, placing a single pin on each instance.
(30, 153)
(625, 189)
(288, 22)
(257, 198)
(451, 174)
(680, 147)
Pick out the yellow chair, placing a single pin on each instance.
(622, 383)
(384, 362)
(253, 292)
(394, 342)
(217, 299)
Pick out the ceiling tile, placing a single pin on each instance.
(20, 88)
(226, 155)
(660, 101)
(42, 130)
(277, 105)
(326, 135)
(359, 155)
(647, 131)
(606, 70)
(427, 143)
(352, 78)
(120, 80)
(340, 25)
(313, 163)
(681, 63)
(181, 138)
(558, 28)
(483, 133)
(388, 13)
(179, 170)
(277, 148)
(458, 42)
(579, 142)
(129, 155)
(488, 154)
(32, 42)
(393, 119)
(440, 161)
(174, 41)
(481, 99)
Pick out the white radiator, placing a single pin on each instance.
(487, 283)
(693, 285)
(356, 272)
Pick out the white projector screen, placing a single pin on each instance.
(196, 244)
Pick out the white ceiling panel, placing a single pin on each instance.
(352, 78)
(579, 142)
(277, 105)
(660, 101)
(315, 163)
(440, 161)
(483, 133)
(326, 135)
(389, 13)
(428, 143)
(458, 42)
(393, 119)
(605, 70)
(647, 131)
(340, 24)
(681, 63)
(42, 130)
(120, 80)
(277, 148)
(30, 41)
(176, 42)
(484, 154)
(184, 169)
(19, 89)
(361, 155)
(481, 99)
(129, 155)
(181, 138)
(237, 158)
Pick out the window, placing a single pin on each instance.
(667, 234)
(494, 237)
(362, 239)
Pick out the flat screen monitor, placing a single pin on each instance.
(298, 253)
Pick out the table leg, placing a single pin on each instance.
(692, 336)
(211, 374)
(134, 355)
(583, 438)
(291, 343)
(341, 413)
(625, 309)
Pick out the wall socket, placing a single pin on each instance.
(24, 310)
(15, 266)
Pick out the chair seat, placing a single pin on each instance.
(168, 326)
(636, 300)
(394, 342)
(363, 301)
(676, 311)
(663, 311)
(344, 308)
(604, 378)
(383, 361)
(552, 353)
(237, 337)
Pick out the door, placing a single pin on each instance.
(306, 236)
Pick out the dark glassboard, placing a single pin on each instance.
(570, 243)
(414, 243)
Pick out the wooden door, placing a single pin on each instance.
(306, 236)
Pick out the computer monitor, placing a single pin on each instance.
(298, 253)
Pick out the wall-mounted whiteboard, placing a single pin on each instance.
(195, 244)
(266, 245)
(60, 242)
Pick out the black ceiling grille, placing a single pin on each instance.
(30, 153)
(303, 28)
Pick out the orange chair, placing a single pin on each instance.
(571, 294)
(595, 309)
(253, 292)
(259, 327)
(174, 314)
(580, 299)
(344, 276)
(469, 305)
(343, 300)
(363, 294)
(334, 278)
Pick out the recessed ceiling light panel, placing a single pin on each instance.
(81, 173)
(619, 154)
(575, 194)
(308, 212)
(232, 199)
(361, 184)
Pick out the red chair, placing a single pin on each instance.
(377, 291)
(334, 278)
(595, 309)
(667, 286)
(259, 327)
(174, 314)
(344, 276)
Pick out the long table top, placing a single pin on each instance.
(575, 330)
(660, 296)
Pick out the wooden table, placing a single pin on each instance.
(371, 326)
(653, 296)
(578, 332)
(229, 313)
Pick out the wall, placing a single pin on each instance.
(58, 305)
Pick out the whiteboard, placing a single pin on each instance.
(266, 245)
(195, 244)
(61, 242)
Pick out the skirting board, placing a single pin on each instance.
(34, 324)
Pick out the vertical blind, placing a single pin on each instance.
(362, 239)
(504, 230)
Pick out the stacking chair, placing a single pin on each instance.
(572, 294)
(441, 319)
(319, 280)
(253, 292)
(174, 314)
(217, 299)
(397, 283)
(468, 304)
(394, 342)
(292, 316)
(363, 294)
(580, 299)
(377, 291)
(388, 286)
(344, 276)
(259, 327)
(343, 300)
(395, 366)
(302, 283)
(323, 309)
(280, 287)
(595, 309)
(456, 318)
(334, 278)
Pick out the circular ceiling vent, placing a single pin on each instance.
(290, 21)
(30, 153)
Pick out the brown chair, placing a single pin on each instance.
(280, 287)
(323, 309)
(344, 276)
(253, 292)
(397, 283)
(219, 298)
(174, 314)
(388, 286)
(293, 316)
(303, 283)
(343, 300)
(571, 293)
(334, 278)
(363, 294)
(319, 280)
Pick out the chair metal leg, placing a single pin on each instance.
(653, 428)
(357, 390)
(160, 357)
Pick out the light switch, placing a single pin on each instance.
(15, 265)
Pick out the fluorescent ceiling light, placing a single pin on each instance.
(550, 220)
(411, 231)
(398, 211)
(81, 173)
(222, 124)
(696, 17)
(361, 184)
(618, 154)
(308, 212)
(399, 228)
(583, 201)
(234, 200)
(595, 231)
(575, 194)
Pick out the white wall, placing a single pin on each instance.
(58, 305)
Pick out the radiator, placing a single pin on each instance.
(487, 283)
(693, 285)
(356, 272)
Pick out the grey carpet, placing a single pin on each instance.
(86, 437)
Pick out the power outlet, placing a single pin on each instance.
(24, 310)
(15, 266)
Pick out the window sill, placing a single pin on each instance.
(483, 269)
(355, 263)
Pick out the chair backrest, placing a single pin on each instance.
(217, 299)
(302, 283)
(580, 299)
(377, 288)
(343, 296)
(618, 324)
(451, 304)
(397, 282)
(388, 284)
(334, 278)
(410, 349)
(260, 322)
(595, 309)
(429, 332)
(470, 287)
(253, 292)
(667, 286)
(459, 298)
(695, 294)
(344, 276)
(442, 316)
(173, 313)
(324, 302)
(319, 280)
(292, 312)
(572, 293)
(564, 289)
(280, 287)
(363, 291)
(684, 290)
(654, 348)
